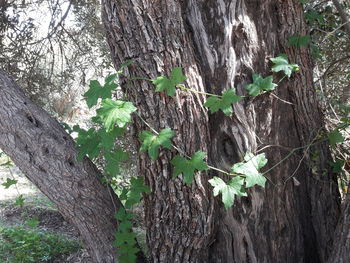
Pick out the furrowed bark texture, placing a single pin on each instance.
(341, 248)
(220, 43)
(46, 154)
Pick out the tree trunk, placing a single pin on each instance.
(46, 154)
(220, 43)
(341, 248)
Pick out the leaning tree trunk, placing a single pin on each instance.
(220, 43)
(46, 154)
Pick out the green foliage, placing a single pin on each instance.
(133, 195)
(313, 16)
(228, 98)
(115, 113)
(19, 200)
(188, 167)
(19, 245)
(250, 169)
(169, 84)
(260, 85)
(281, 64)
(9, 182)
(151, 143)
(335, 137)
(228, 191)
(337, 166)
(96, 91)
(113, 161)
(88, 143)
(299, 41)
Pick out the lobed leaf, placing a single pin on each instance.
(225, 103)
(188, 167)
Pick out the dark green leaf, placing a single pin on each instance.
(151, 142)
(169, 84)
(9, 182)
(260, 84)
(225, 103)
(113, 161)
(299, 41)
(188, 167)
(335, 137)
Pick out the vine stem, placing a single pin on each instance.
(199, 92)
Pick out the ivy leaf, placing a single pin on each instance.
(115, 112)
(337, 166)
(260, 84)
(188, 167)
(229, 97)
(108, 138)
(281, 64)
(88, 143)
(135, 193)
(20, 200)
(169, 84)
(9, 182)
(151, 142)
(335, 137)
(113, 160)
(299, 41)
(250, 168)
(96, 91)
(228, 191)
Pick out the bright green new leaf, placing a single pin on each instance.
(9, 182)
(151, 142)
(115, 112)
(188, 167)
(169, 84)
(335, 137)
(260, 84)
(228, 191)
(96, 91)
(281, 64)
(250, 168)
(299, 41)
(225, 103)
(113, 160)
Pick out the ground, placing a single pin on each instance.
(36, 205)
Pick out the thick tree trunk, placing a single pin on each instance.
(341, 248)
(46, 154)
(220, 43)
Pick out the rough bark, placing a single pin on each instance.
(220, 43)
(46, 154)
(341, 248)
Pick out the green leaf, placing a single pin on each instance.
(115, 112)
(88, 143)
(96, 91)
(299, 41)
(228, 191)
(151, 142)
(32, 222)
(312, 16)
(136, 189)
(169, 84)
(225, 103)
(260, 84)
(250, 168)
(108, 138)
(335, 137)
(281, 64)
(188, 167)
(113, 160)
(9, 182)
(19, 200)
(337, 166)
